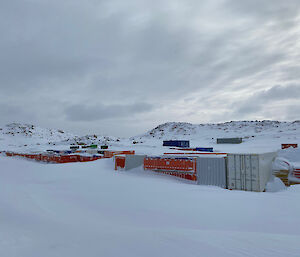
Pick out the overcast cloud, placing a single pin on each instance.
(122, 67)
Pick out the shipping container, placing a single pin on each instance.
(92, 151)
(119, 161)
(249, 172)
(178, 143)
(211, 171)
(193, 153)
(235, 140)
(110, 154)
(54, 158)
(187, 164)
(285, 146)
(204, 149)
(134, 161)
(182, 167)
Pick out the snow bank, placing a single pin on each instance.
(88, 209)
(275, 185)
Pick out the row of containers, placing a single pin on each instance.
(93, 146)
(66, 156)
(185, 144)
(249, 172)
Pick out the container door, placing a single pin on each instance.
(243, 172)
(248, 173)
(235, 176)
(251, 173)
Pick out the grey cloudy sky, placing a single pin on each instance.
(120, 67)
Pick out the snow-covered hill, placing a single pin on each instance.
(258, 136)
(16, 136)
(244, 129)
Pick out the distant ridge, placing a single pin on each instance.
(243, 129)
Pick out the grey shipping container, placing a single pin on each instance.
(234, 140)
(133, 161)
(211, 171)
(249, 172)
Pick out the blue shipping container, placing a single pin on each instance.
(178, 143)
(204, 149)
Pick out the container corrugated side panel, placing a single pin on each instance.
(252, 174)
(233, 178)
(211, 171)
(134, 161)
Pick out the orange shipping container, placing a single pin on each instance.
(179, 167)
(120, 162)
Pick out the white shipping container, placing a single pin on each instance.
(249, 172)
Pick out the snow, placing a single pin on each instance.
(88, 209)
(275, 185)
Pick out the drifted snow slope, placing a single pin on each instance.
(87, 209)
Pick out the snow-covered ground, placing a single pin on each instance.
(88, 209)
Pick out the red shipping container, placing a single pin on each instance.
(285, 146)
(296, 173)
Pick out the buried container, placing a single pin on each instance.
(249, 172)
(183, 167)
(133, 161)
(129, 161)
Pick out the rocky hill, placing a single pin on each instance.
(18, 135)
(244, 129)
